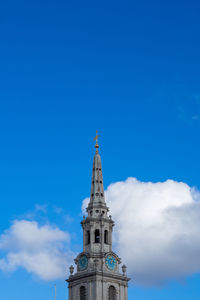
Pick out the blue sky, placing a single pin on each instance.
(129, 69)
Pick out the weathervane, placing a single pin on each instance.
(96, 138)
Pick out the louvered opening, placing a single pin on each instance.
(82, 293)
(112, 293)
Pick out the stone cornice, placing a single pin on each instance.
(94, 274)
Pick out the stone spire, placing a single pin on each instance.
(97, 198)
(97, 189)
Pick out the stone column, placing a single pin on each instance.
(125, 293)
(101, 236)
(70, 293)
(84, 236)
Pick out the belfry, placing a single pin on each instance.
(97, 276)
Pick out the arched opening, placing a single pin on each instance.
(97, 236)
(82, 293)
(88, 237)
(106, 236)
(112, 293)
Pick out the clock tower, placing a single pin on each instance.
(97, 276)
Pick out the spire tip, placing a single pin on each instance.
(96, 138)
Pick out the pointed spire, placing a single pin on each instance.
(97, 189)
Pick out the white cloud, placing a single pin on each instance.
(157, 234)
(157, 231)
(41, 250)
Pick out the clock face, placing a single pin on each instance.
(83, 262)
(111, 262)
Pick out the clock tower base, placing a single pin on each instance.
(98, 286)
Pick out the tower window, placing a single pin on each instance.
(88, 237)
(97, 236)
(106, 236)
(112, 293)
(82, 293)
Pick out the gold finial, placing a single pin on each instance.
(55, 290)
(96, 138)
